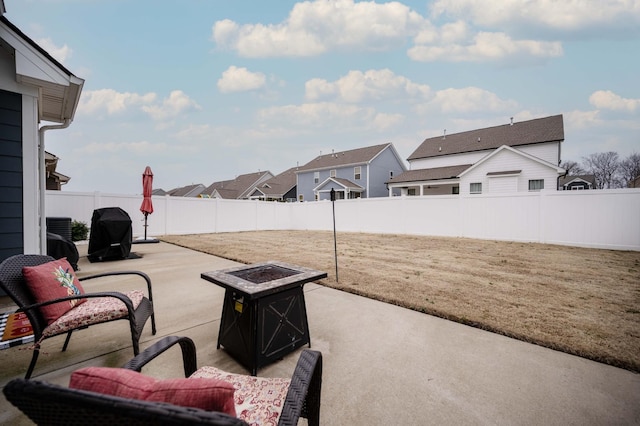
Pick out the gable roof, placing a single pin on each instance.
(279, 185)
(237, 188)
(59, 90)
(345, 183)
(436, 173)
(352, 157)
(548, 129)
(187, 191)
(576, 178)
(517, 152)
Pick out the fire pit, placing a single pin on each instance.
(264, 316)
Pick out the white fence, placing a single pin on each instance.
(601, 219)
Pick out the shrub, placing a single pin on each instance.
(79, 231)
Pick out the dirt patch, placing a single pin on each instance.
(582, 301)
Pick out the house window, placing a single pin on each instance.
(536, 184)
(475, 188)
(577, 188)
(455, 190)
(411, 191)
(301, 198)
(332, 173)
(316, 177)
(356, 173)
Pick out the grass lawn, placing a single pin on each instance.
(578, 300)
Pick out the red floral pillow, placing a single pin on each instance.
(206, 394)
(53, 280)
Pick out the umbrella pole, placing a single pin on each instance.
(145, 225)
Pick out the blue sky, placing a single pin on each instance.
(205, 90)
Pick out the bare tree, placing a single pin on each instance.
(573, 168)
(604, 166)
(629, 169)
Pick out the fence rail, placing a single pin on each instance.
(607, 219)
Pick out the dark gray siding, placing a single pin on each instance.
(11, 217)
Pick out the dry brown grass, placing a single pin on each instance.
(582, 301)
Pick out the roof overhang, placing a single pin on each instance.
(345, 184)
(487, 157)
(58, 89)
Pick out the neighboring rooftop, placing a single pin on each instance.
(343, 158)
(548, 129)
(436, 173)
(279, 185)
(237, 188)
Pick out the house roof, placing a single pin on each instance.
(344, 158)
(568, 179)
(517, 152)
(187, 191)
(436, 173)
(345, 183)
(280, 184)
(236, 188)
(59, 90)
(548, 129)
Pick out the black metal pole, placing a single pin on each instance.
(335, 244)
(145, 225)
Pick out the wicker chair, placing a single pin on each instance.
(13, 283)
(48, 404)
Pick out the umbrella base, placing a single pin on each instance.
(145, 241)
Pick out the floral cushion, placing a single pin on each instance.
(53, 280)
(93, 311)
(258, 400)
(206, 394)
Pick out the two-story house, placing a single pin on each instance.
(514, 157)
(356, 173)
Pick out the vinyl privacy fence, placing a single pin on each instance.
(600, 218)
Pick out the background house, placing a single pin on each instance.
(193, 190)
(578, 182)
(55, 179)
(356, 173)
(522, 156)
(34, 88)
(281, 187)
(239, 188)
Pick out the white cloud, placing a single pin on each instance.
(466, 100)
(554, 14)
(344, 117)
(314, 27)
(371, 85)
(141, 147)
(177, 103)
(606, 99)
(98, 101)
(61, 54)
(483, 46)
(236, 79)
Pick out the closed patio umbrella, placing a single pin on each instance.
(147, 205)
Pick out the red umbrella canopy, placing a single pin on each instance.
(147, 188)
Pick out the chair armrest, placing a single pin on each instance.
(303, 397)
(115, 294)
(109, 274)
(186, 345)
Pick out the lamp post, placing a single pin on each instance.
(335, 245)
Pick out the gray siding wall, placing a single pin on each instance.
(379, 173)
(11, 203)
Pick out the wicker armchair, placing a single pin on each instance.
(48, 404)
(13, 283)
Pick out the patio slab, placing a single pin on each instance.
(382, 364)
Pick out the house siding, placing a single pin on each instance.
(379, 173)
(507, 161)
(11, 170)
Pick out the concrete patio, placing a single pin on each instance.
(383, 365)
